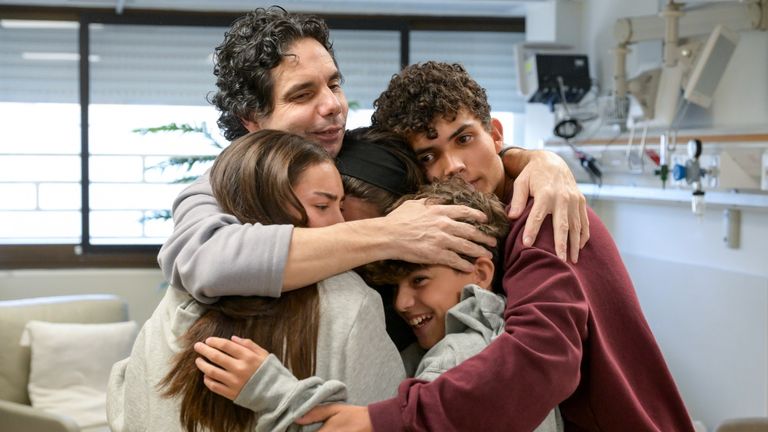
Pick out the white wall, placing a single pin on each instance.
(141, 288)
(707, 304)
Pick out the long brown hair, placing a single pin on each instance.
(252, 179)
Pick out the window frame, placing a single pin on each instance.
(85, 254)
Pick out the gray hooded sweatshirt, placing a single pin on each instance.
(470, 326)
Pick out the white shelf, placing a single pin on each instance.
(682, 196)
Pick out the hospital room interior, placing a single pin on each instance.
(659, 108)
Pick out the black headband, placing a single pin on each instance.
(374, 164)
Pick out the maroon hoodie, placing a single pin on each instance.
(575, 337)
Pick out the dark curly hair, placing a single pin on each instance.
(254, 45)
(422, 92)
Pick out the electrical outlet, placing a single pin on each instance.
(732, 228)
(764, 172)
(711, 163)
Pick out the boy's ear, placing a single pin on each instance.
(484, 270)
(497, 133)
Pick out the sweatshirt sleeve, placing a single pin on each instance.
(211, 254)
(116, 396)
(372, 365)
(279, 398)
(527, 370)
(128, 390)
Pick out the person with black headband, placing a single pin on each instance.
(377, 168)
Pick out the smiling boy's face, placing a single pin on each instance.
(425, 295)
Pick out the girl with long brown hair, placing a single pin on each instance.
(333, 329)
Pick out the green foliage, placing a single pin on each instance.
(185, 162)
(183, 128)
(157, 214)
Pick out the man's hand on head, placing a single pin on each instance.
(339, 418)
(547, 178)
(432, 234)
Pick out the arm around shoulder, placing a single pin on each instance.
(546, 177)
(211, 254)
(414, 232)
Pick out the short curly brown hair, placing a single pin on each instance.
(422, 92)
(253, 46)
(451, 191)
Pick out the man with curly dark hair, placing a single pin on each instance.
(574, 335)
(257, 39)
(254, 48)
(276, 70)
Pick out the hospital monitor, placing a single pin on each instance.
(557, 78)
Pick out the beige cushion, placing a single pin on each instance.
(746, 424)
(14, 315)
(70, 366)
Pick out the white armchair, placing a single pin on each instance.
(15, 407)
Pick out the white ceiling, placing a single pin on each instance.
(487, 8)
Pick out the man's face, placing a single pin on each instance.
(424, 297)
(464, 148)
(308, 99)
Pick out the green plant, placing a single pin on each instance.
(185, 162)
(188, 162)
